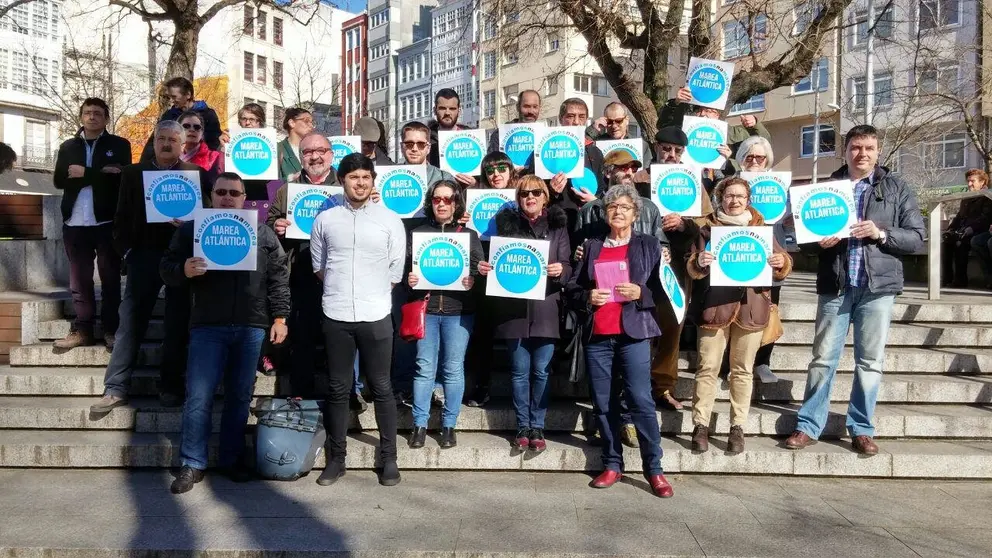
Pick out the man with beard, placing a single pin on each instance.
(447, 108)
(528, 111)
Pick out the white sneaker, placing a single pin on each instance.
(765, 374)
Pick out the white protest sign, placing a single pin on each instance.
(461, 151)
(632, 146)
(306, 202)
(482, 205)
(440, 260)
(342, 146)
(517, 141)
(226, 238)
(171, 195)
(677, 189)
(769, 193)
(402, 188)
(741, 256)
(705, 136)
(709, 82)
(823, 210)
(560, 149)
(676, 296)
(252, 154)
(520, 268)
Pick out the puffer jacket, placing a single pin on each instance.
(718, 307)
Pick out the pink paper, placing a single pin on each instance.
(609, 274)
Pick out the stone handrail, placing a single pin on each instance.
(936, 215)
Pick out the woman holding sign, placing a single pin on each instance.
(530, 327)
(615, 287)
(450, 308)
(734, 315)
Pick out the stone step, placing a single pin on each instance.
(51, 330)
(147, 416)
(484, 451)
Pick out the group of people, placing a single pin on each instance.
(344, 287)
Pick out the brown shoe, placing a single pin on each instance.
(864, 445)
(666, 401)
(73, 340)
(107, 403)
(735, 443)
(799, 440)
(701, 438)
(108, 339)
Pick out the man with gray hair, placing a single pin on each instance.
(615, 125)
(143, 244)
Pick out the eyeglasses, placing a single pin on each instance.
(615, 121)
(304, 119)
(418, 144)
(248, 120)
(321, 151)
(524, 194)
(438, 200)
(621, 207)
(491, 170)
(756, 158)
(626, 167)
(194, 127)
(741, 197)
(229, 193)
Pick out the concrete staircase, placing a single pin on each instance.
(934, 417)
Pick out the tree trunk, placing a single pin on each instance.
(182, 56)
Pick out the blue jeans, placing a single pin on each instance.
(228, 353)
(404, 354)
(450, 332)
(871, 314)
(357, 390)
(631, 359)
(530, 357)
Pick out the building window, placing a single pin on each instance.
(379, 83)
(39, 75)
(595, 85)
(489, 65)
(939, 13)
(754, 104)
(20, 17)
(512, 16)
(277, 31)
(510, 91)
(554, 43)
(379, 18)
(4, 56)
(884, 25)
(378, 51)
(489, 28)
(261, 65)
(249, 67)
(817, 79)
(828, 141)
(277, 75)
(511, 54)
(948, 153)
(737, 38)
(260, 25)
(19, 72)
(806, 13)
(249, 25)
(489, 99)
(882, 95)
(942, 79)
(551, 86)
(55, 21)
(39, 19)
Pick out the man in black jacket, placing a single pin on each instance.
(571, 194)
(232, 313)
(88, 170)
(528, 112)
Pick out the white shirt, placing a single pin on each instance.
(362, 253)
(82, 211)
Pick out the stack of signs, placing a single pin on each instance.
(402, 188)
(520, 268)
(560, 150)
(517, 141)
(705, 136)
(677, 189)
(823, 210)
(306, 202)
(461, 151)
(344, 146)
(709, 82)
(482, 205)
(632, 146)
(676, 296)
(769, 193)
(171, 195)
(252, 153)
(741, 256)
(440, 260)
(226, 238)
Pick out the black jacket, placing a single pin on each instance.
(239, 298)
(446, 302)
(211, 127)
(108, 150)
(130, 227)
(434, 157)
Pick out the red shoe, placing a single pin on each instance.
(606, 479)
(521, 441)
(660, 486)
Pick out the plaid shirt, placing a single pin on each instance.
(856, 274)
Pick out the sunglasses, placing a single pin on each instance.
(195, 127)
(615, 121)
(524, 194)
(756, 158)
(438, 200)
(418, 144)
(229, 193)
(496, 169)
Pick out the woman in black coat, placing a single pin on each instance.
(530, 327)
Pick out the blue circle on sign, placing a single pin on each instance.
(702, 154)
(587, 182)
(560, 153)
(341, 150)
(308, 208)
(464, 155)
(441, 263)
(402, 193)
(174, 198)
(226, 241)
(484, 211)
(742, 258)
(519, 147)
(678, 191)
(517, 270)
(707, 85)
(769, 198)
(672, 284)
(825, 214)
(251, 156)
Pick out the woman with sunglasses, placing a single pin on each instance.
(530, 327)
(195, 150)
(448, 323)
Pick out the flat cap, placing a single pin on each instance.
(673, 135)
(368, 128)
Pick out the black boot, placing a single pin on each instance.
(448, 438)
(390, 474)
(418, 437)
(185, 480)
(332, 472)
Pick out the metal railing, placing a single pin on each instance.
(37, 157)
(936, 217)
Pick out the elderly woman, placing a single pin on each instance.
(734, 315)
(620, 322)
(195, 150)
(530, 327)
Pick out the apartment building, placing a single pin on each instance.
(413, 90)
(354, 68)
(453, 54)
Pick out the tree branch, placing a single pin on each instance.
(12, 5)
(141, 12)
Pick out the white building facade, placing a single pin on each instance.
(452, 57)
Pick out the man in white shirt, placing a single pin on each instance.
(358, 250)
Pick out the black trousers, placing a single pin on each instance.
(954, 258)
(373, 341)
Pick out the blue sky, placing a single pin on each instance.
(353, 6)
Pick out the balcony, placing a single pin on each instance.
(37, 157)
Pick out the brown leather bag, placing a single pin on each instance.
(773, 331)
